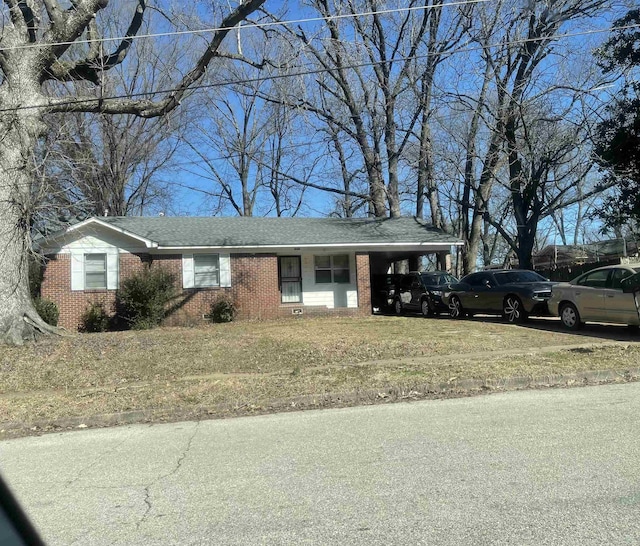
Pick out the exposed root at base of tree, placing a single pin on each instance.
(28, 326)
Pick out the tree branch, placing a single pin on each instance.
(90, 68)
(235, 17)
(149, 108)
(71, 26)
(53, 11)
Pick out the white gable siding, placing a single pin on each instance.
(94, 239)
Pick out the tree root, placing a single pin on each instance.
(24, 327)
(33, 319)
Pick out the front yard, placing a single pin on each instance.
(247, 367)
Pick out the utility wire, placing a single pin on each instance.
(451, 52)
(247, 26)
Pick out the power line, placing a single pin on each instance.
(76, 100)
(247, 26)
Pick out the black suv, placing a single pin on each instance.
(423, 292)
(383, 291)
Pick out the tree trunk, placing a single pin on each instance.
(19, 321)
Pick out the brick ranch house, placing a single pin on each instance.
(269, 267)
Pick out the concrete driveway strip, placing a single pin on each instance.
(532, 467)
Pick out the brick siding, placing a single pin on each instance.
(363, 277)
(254, 291)
(56, 286)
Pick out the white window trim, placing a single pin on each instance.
(224, 271)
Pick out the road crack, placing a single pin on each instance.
(180, 460)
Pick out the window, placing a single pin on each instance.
(479, 279)
(409, 282)
(290, 277)
(519, 276)
(595, 279)
(95, 271)
(206, 270)
(617, 276)
(332, 269)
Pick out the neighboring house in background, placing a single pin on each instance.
(269, 267)
(556, 256)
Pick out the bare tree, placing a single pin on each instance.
(110, 163)
(365, 62)
(519, 88)
(35, 49)
(245, 144)
(114, 163)
(441, 38)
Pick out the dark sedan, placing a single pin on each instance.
(513, 293)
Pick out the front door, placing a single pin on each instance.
(290, 277)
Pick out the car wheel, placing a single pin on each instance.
(513, 310)
(397, 307)
(570, 317)
(425, 308)
(455, 308)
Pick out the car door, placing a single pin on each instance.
(411, 291)
(619, 307)
(589, 294)
(406, 291)
(417, 291)
(479, 294)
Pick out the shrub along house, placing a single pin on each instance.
(269, 267)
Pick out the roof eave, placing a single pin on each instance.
(418, 245)
(147, 242)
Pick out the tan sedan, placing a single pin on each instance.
(596, 296)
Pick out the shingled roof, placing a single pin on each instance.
(167, 231)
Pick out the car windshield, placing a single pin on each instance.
(433, 278)
(509, 277)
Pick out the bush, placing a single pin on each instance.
(95, 319)
(222, 310)
(47, 310)
(142, 299)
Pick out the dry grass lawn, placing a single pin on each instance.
(242, 367)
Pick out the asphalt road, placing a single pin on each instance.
(534, 467)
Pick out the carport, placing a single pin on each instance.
(384, 262)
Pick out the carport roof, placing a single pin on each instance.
(254, 232)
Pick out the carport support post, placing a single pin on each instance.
(444, 261)
(363, 279)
